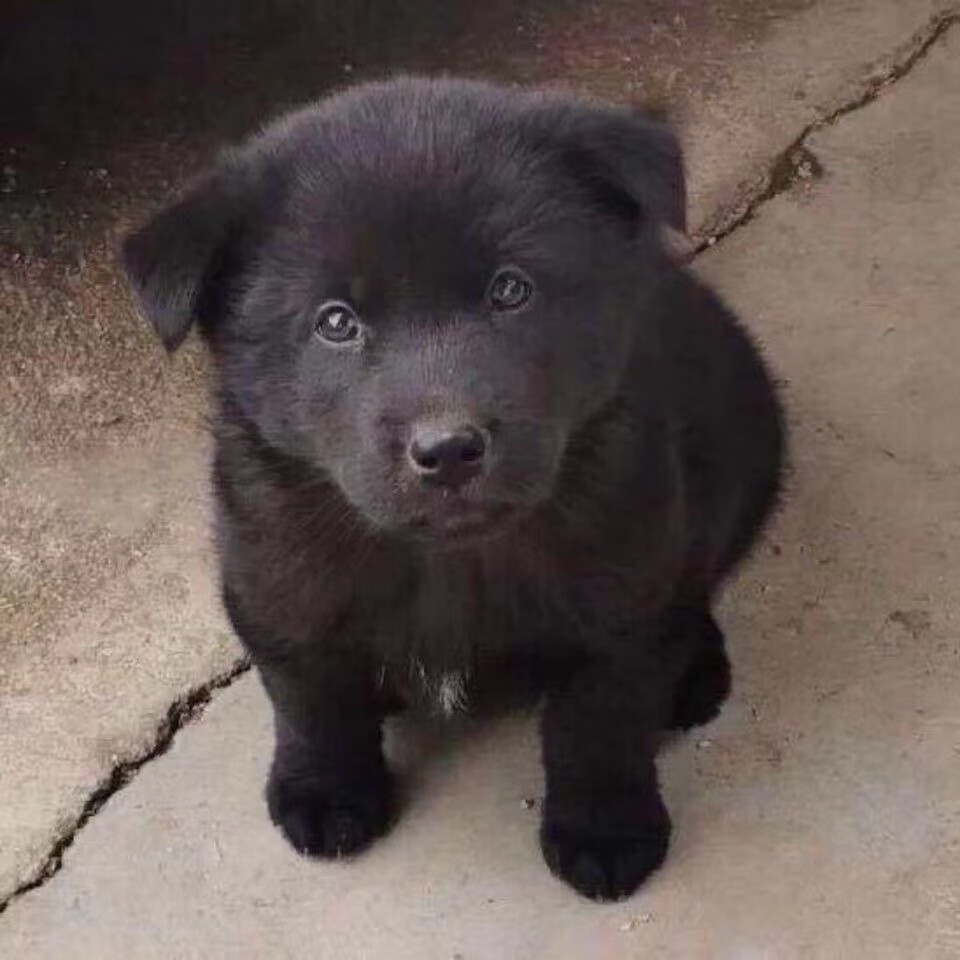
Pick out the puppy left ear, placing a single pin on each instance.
(177, 262)
(631, 163)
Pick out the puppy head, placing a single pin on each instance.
(424, 288)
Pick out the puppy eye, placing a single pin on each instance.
(510, 289)
(337, 323)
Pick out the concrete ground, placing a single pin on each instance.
(818, 818)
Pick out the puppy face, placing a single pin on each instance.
(422, 288)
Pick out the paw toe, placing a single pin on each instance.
(604, 868)
(319, 824)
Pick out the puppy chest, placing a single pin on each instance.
(452, 620)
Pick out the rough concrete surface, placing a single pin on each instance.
(95, 686)
(102, 456)
(819, 817)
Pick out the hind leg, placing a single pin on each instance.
(705, 684)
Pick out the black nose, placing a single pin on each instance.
(447, 457)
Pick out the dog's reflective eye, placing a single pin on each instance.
(510, 289)
(337, 323)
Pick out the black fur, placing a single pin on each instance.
(633, 444)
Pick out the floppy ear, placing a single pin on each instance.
(632, 164)
(176, 262)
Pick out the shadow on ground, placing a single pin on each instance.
(108, 105)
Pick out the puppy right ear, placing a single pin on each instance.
(176, 262)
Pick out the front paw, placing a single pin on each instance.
(605, 865)
(323, 821)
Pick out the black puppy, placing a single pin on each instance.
(474, 426)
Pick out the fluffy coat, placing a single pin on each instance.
(417, 261)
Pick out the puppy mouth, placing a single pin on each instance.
(461, 523)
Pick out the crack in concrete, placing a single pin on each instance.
(794, 165)
(182, 711)
(797, 163)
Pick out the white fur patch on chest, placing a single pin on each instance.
(452, 693)
(447, 693)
